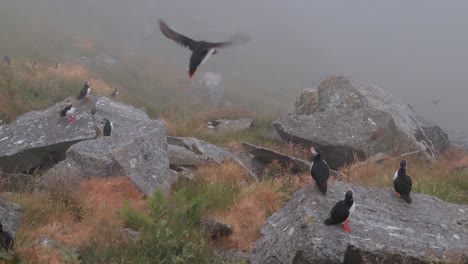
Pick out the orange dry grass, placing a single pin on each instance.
(296, 182)
(100, 198)
(83, 43)
(249, 212)
(230, 174)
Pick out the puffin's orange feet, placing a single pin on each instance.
(398, 195)
(87, 98)
(71, 119)
(346, 228)
(346, 221)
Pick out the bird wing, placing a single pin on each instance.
(237, 39)
(171, 34)
(83, 93)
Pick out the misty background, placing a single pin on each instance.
(415, 49)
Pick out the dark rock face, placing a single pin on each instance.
(40, 137)
(264, 156)
(344, 118)
(384, 229)
(9, 217)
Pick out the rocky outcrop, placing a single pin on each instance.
(39, 137)
(137, 148)
(9, 216)
(141, 155)
(384, 229)
(345, 119)
(186, 153)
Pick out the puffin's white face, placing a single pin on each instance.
(312, 151)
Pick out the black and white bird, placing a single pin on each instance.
(212, 123)
(201, 50)
(319, 170)
(68, 111)
(108, 127)
(115, 92)
(403, 183)
(341, 212)
(57, 64)
(85, 91)
(6, 241)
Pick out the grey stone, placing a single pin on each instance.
(344, 118)
(384, 229)
(141, 155)
(215, 228)
(10, 217)
(180, 156)
(131, 235)
(55, 244)
(39, 137)
(210, 151)
(266, 156)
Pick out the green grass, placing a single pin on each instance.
(170, 227)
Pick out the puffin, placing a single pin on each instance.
(201, 50)
(402, 182)
(212, 123)
(319, 170)
(57, 65)
(85, 91)
(115, 92)
(68, 111)
(6, 60)
(107, 127)
(340, 213)
(6, 241)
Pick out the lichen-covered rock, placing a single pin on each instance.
(235, 125)
(345, 118)
(384, 229)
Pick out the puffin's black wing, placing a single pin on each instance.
(178, 38)
(338, 214)
(64, 111)
(83, 93)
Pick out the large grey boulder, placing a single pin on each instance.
(140, 154)
(384, 229)
(39, 137)
(9, 216)
(345, 118)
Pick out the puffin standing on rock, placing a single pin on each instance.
(402, 182)
(201, 50)
(319, 170)
(107, 127)
(68, 111)
(341, 211)
(85, 91)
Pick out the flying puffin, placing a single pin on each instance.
(340, 213)
(68, 111)
(319, 170)
(115, 92)
(6, 241)
(402, 182)
(85, 91)
(201, 50)
(107, 127)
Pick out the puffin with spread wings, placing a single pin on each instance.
(201, 50)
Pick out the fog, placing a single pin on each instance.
(416, 50)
